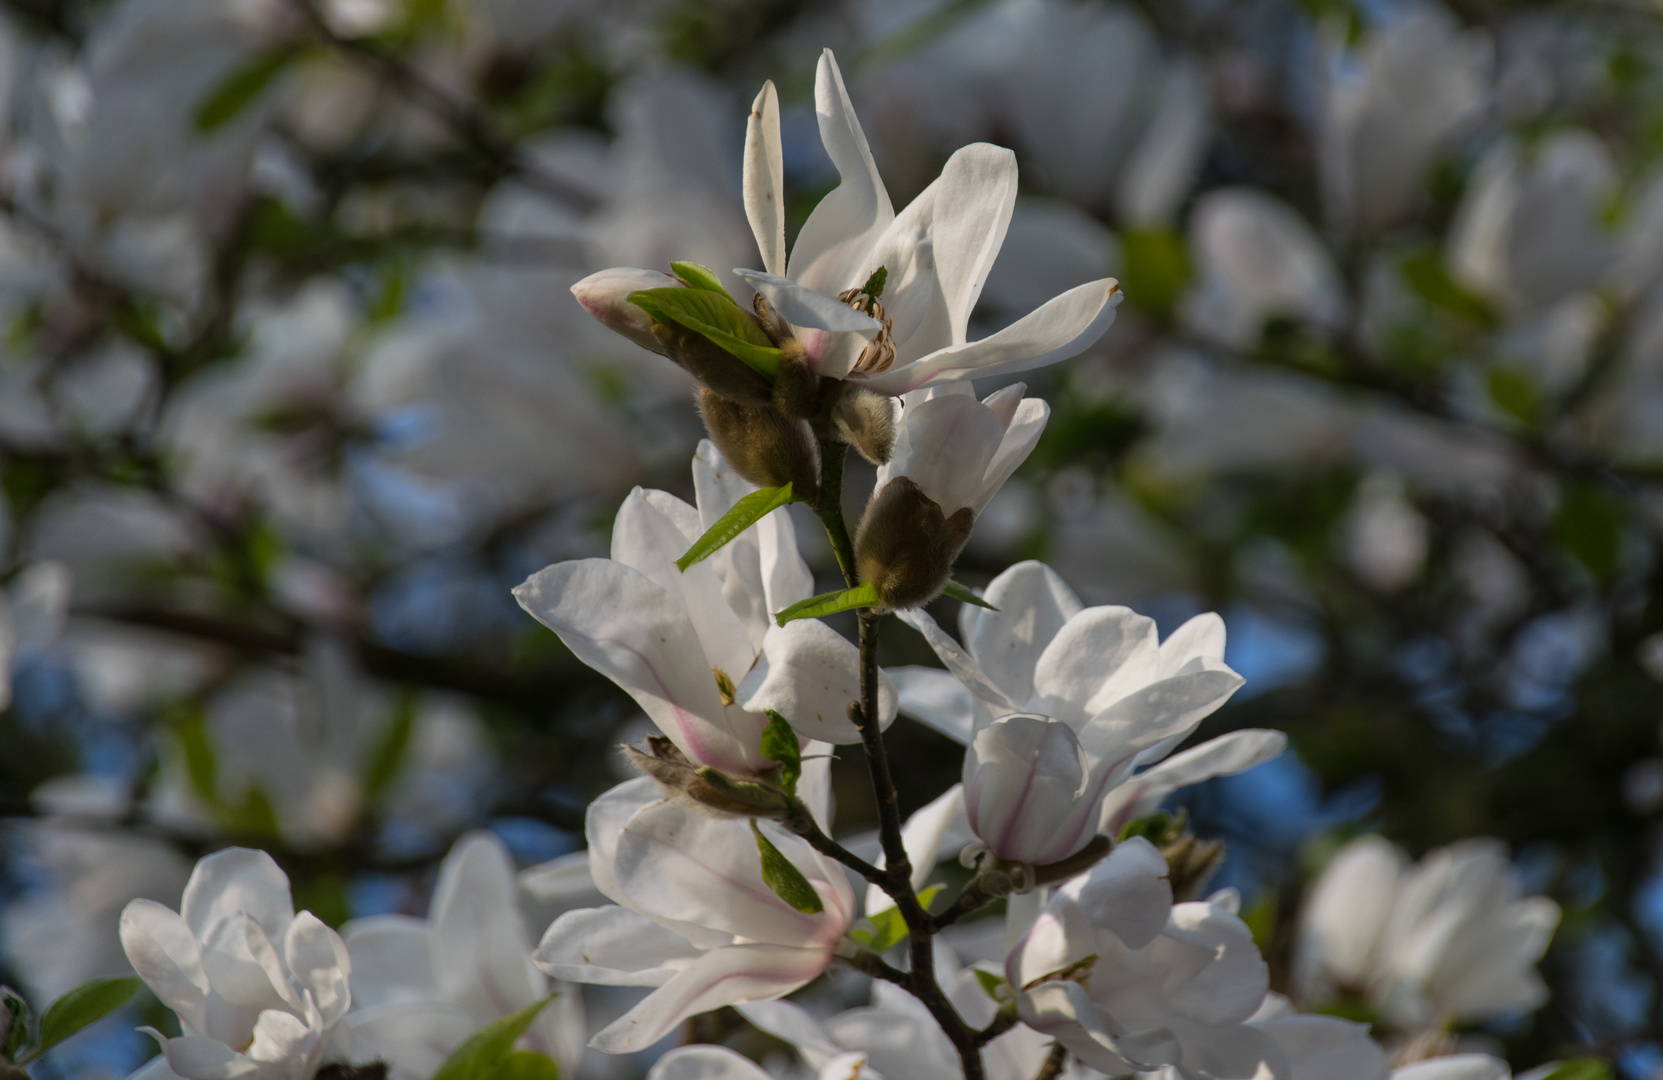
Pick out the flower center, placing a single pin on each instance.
(881, 352)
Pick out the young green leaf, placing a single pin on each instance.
(14, 1023)
(830, 603)
(717, 318)
(964, 596)
(526, 1065)
(782, 875)
(699, 277)
(780, 743)
(487, 1050)
(81, 1007)
(239, 89)
(745, 513)
(993, 986)
(1581, 1069)
(882, 931)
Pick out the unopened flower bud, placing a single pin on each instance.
(705, 788)
(764, 447)
(865, 420)
(605, 295)
(719, 370)
(797, 390)
(905, 546)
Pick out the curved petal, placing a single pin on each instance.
(243, 965)
(810, 674)
(318, 959)
(794, 1024)
(392, 960)
(1128, 894)
(283, 1038)
(1063, 1010)
(165, 954)
(1326, 1048)
(935, 699)
(725, 976)
(1099, 657)
(612, 946)
(237, 879)
(765, 178)
(479, 937)
(1458, 1067)
(1062, 327)
(945, 446)
(832, 333)
(1163, 710)
(1024, 777)
(1201, 637)
(1021, 436)
(630, 629)
(974, 199)
(198, 1058)
(705, 1062)
(1227, 755)
(923, 836)
(1033, 604)
(1340, 930)
(960, 663)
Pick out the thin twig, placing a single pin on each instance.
(1054, 1063)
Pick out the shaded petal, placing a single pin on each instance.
(282, 1037)
(923, 836)
(832, 333)
(319, 961)
(1033, 605)
(974, 198)
(765, 179)
(479, 938)
(1458, 1067)
(1128, 894)
(794, 1024)
(814, 786)
(945, 445)
(1024, 777)
(1062, 327)
(1163, 710)
(1064, 1011)
(165, 953)
(630, 629)
(612, 946)
(1326, 1048)
(392, 960)
(720, 977)
(1021, 436)
(705, 1062)
(237, 879)
(197, 1058)
(243, 965)
(1199, 637)
(837, 236)
(810, 674)
(957, 661)
(935, 699)
(1099, 657)
(1345, 912)
(415, 1038)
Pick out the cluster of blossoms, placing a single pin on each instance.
(725, 883)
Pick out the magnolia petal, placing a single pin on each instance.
(833, 334)
(726, 976)
(810, 674)
(566, 878)
(935, 699)
(196, 1057)
(1128, 894)
(392, 959)
(237, 879)
(1160, 711)
(765, 178)
(612, 946)
(1199, 637)
(814, 786)
(1231, 987)
(794, 1024)
(282, 1037)
(1227, 755)
(957, 661)
(243, 965)
(1024, 778)
(1231, 1052)
(630, 629)
(479, 936)
(1100, 656)
(974, 200)
(1063, 1010)
(705, 1062)
(1457, 1067)
(1062, 327)
(318, 960)
(165, 954)
(945, 447)
(1021, 436)
(1326, 1048)
(835, 239)
(1345, 911)
(1033, 604)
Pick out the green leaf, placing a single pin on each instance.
(717, 318)
(886, 929)
(830, 603)
(1589, 525)
(964, 596)
(1581, 1069)
(82, 1007)
(14, 1023)
(1157, 268)
(1356, 1011)
(487, 1050)
(1261, 919)
(239, 88)
(1159, 828)
(1515, 394)
(526, 1065)
(389, 753)
(993, 986)
(782, 875)
(780, 743)
(874, 284)
(700, 277)
(745, 513)
(1424, 273)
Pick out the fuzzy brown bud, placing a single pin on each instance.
(719, 370)
(865, 420)
(797, 390)
(764, 447)
(705, 788)
(906, 546)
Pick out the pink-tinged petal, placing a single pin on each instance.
(195, 1057)
(479, 938)
(674, 863)
(810, 674)
(1100, 656)
(318, 960)
(765, 178)
(935, 699)
(1021, 436)
(1033, 604)
(1025, 781)
(1063, 327)
(612, 946)
(720, 977)
(1227, 755)
(237, 879)
(959, 662)
(705, 1063)
(165, 953)
(833, 333)
(837, 236)
(633, 631)
(605, 295)
(1128, 894)
(392, 960)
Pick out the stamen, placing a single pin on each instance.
(880, 353)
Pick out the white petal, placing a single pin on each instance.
(164, 952)
(392, 960)
(238, 879)
(814, 786)
(1458, 1067)
(565, 878)
(810, 674)
(793, 1024)
(1021, 436)
(1100, 656)
(720, 977)
(923, 836)
(957, 661)
(935, 699)
(1063, 327)
(1127, 894)
(1201, 636)
(1229, 988)
(612, 946)
(974, 200)
(1062, 1009)
(1227, 755)
(634, 632)
(945, 447)
(765, 178)
(1345, 913)
(1327, 1048)
(479, 938)
(198, 1058)
(705, 1062)
(837, 236)
(282, 1037)
(1023, 783)
(318, 960)
(1033, 604)
(1166, 710)
(243, 965)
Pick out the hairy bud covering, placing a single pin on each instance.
(797, 390)
(719, 370)
(865, 420)
(708, 789)
(905, 546)
(762, 446)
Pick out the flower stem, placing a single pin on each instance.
(829, 507)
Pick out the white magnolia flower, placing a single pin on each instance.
(693, 916)
(699, 651)
(420, 987)
(1127, 981)
(960, 451)
(1469, 1067)
(259, 991)
(1448, 938)
(937, 253)
(1060, 705)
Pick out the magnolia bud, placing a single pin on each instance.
(705, 788)
(865, 420)
(605, 295)
(797, 390)
(719, 370)
(905, 546)
(764, 447)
